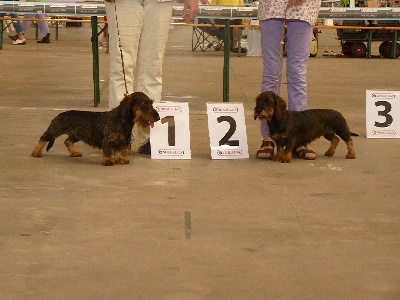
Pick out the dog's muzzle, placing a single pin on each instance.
(156, 119)
(257, 113)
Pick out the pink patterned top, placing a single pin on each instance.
(308, 11)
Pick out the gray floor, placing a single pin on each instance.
(73, 229)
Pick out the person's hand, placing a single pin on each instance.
(190, 10)
(295, 2)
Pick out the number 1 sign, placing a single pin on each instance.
(227, 129)
(383, 114)
(170, 137)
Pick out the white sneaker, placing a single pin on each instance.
(18, 42)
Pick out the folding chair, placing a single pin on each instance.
(207, 37)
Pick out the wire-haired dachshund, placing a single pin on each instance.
(110, 131)
(292, 129)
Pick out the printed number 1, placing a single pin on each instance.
(232, 128)
(384, 113)
(171, 129)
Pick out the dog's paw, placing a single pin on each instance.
(122, 161)
(286, 161)
(282, 157)
(351, 156)
(75, 153)
(329, 153)
(107, 161)
(36, 154)
(285, 157)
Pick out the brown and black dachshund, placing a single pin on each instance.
(110, 131)
(292, 129)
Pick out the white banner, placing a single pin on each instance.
(227, 130)
(170, 137)
(383, 114)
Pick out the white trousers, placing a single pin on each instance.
(143, 27)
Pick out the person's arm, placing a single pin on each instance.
(190, 10)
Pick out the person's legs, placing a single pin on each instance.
(299, 36)
(129, 14)
(17, 24)
(151, 53)
(271, 37)
(153, 41)
(19, 38)
(43, 26)
(26, 24)
(44, 29)
(220, 31)
(235, 35)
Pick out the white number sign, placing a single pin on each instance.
(170, 137)
(383, 114)
(227, 130)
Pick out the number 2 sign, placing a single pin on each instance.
(227, 130)
(383, 114)
(170, 137)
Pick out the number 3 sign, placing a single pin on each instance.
(170, 137)
(227, 129)
(383, 114)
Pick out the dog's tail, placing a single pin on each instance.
(50, 144)
(354, 134)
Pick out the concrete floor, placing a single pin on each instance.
(73, 229)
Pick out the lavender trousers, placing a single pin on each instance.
(298, 43)
(43, 26)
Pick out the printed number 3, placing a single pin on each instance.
(384, 113)
(232, 128)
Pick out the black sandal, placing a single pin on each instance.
(266, 148)
(301, 153)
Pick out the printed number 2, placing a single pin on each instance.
(232, 123)
(171, 129)
(384, 113)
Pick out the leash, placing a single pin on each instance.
(120, 49)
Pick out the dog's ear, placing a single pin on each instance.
(255, 108)
(125, 106)
(280, 108)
